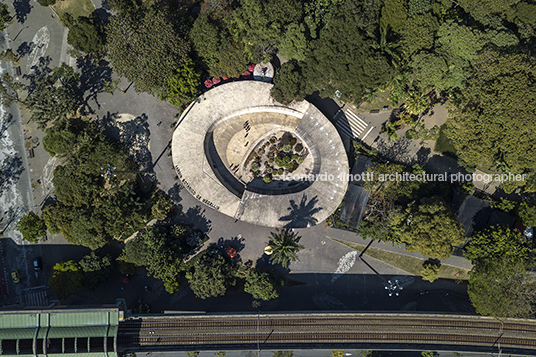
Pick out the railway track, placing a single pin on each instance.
(314, 329)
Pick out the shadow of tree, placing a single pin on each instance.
(10, 170)
(24, 49)
(37, 72)
(93, 78)
(196, 216)
(396, 151)
(422, 156)
(174, 194)
(6, 122)
(237, 243)
(301, 215)
(22, 9)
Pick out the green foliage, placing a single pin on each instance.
(500, 83)
(497, 242)
(430, 229)
(267, 179)
(5, 16)
(9, 55)
(502, 288)
(460, 40)
(418, 33)
(282, 353)
(416, 102)
(86, 34)
(192, 353)
(161, 250)
(289, 84)
(223, 55)
(428, 354)
(183, 86)
(96, 269)
(220, 354)
(430, 270)
(337, 353)
(418, 7)
(46, 2)
(432, 70)
(53, 95)
(211, 274)
(64, 136)
(66, 279)
(527, 213)
(32, 227)
(255, 166)
(261, 286)
(8, 90)
(420, 133)
(145, 47)
(162, 207)
(294, 43)
(287, 148)
(285, 245)
(390, 129)
(394, 14)
(504, 204)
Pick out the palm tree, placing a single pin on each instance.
(284, 245)
(390, 129)
(416, 102)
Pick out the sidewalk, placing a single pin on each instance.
(352, 237)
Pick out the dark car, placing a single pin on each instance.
(37, 264)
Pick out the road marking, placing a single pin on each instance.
(351, 125)
(368, 132)
(346, 262)
(39, 46)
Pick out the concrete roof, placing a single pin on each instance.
(207, 177)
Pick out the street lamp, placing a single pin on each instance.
(393, 287)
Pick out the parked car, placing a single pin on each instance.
(37, 264)
(15, 276)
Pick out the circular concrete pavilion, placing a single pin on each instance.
(218, 131)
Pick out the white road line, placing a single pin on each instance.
(354, 116)
(368, 132)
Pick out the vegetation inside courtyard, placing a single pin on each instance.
(280, 155)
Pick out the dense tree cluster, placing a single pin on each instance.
(86, 33)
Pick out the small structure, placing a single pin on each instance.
(263, 72)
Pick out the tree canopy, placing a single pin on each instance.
(261, 285)
(285, 245)
(32, 227)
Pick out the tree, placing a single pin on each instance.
(210, 275)
(416, 102)
(460, 40)
(284, 245)
(418, 7)
(161, 250)
(53, 94)
(502, 288)
(430, 229)
(261, 286)
(86, 34)
(418, 34)
(393, 15)
(145, 47)
(9, 55)
(162, 207)
(527, 214)
(497, 243)
(183, 86)
(8, 90)
(390, 129)
(66, 279)
(502, 87)
(32, 227)
(430, 270)
(5, 16)
(96, 269)
(294, 43)
(288, 84)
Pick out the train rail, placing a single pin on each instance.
(270, 331)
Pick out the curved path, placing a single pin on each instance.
(204, 171)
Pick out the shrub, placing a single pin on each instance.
(300, 159)
(299, 147)
(46, 2)
(292, 166)
(287, 148)
(280, 172)
(273, 139)
(255, 166)
(269, 170)
(430, 271)
(267, 178)
(270, 160)
(261, 286)
(273, 148)
(279, 146)
(292, 141)
(527, 214)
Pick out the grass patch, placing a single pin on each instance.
(74, 7)
(379, 101)
(409, 264)
(443, 144)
